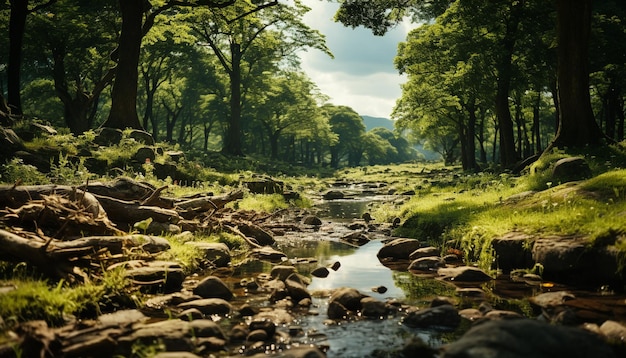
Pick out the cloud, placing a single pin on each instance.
(362, 74)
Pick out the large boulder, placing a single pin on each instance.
(571, 169)
(513, 251)
(522, 338)
(264, 186)
(217, 253)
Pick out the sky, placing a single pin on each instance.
(362, 75)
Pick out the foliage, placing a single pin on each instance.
(33, 299)
(267, 203)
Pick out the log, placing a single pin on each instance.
(206, 203)
(12, 196)
(124, 188)
(130, 212)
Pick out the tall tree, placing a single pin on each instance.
(231, 35)
(577, 127)
(17, 27)
(123, 112)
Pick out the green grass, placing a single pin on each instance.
(36, 299)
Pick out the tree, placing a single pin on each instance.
(231, 36)
(17, 27)
(288, 102)
(349, 128)
(577, 127)
(65, 37)
(123, 112)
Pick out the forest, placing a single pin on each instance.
(226, 76)
(174, 184)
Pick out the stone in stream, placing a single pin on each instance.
(431, 263)
(335, 266)
(209, 306)
(428, 251)
(281, 272)
(312, 220)
(333, 195)
(350, 298)
(213, 287)
(443, 317)
(398, 249)
(371, 307)
(320, 272)
(296, 289)
(269, 254)
(464, 274)
(153, 276)
(521, 338)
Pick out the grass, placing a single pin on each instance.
(35, 299)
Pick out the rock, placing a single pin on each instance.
(571, 169)
(158, 228)
(464, 274)
(206, 328)
(572, 260)
(398, 249)
(335, 266)
(551, 299)
(144, 155)
(522, 338)
(281, 272)
(444, 316)
(333, 195)
(379, 289)
(614, 331)
(441, 300)
(371, 307)
(356, 238)
(10, 143)
(174, 334)
(295, 352)
(258, 335)
(471, 314)
(269, 254)
(428, 251)
(208, 306)
(296, 289)
(503, 314)
(312, 220)
(348, 297)
(471, 292)
(337, 311)
(175, 355)
(512, 251)
(175, 155)
(431, 263)
(320, 272)
(264, 325)
(108, 136)
(167, 276)
(416, 347)
(142, 137)
(213, 287)
(190, 314)
(122, 318)
(262, 236)
(216, 253)
(264, 186)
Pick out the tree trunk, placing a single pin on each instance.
(577, 126)
(17, 26)
(232, 142)
(536, 129)
(124, 94)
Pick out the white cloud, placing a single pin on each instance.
(362, 74)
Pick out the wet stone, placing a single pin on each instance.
(398, 248)
(213, 287)
(444, 317)
(320, 272)
(429, 251)
(208, 306)
(464, 274)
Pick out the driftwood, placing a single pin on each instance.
(48, 223)
(122, 211)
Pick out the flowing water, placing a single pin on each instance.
(361, 269)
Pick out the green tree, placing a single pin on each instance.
(73, 40)
(349, 128)
(231, 36)
(19, 11)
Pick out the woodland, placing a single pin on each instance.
(225, 76)
(152, 151)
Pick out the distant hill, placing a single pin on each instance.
(373, 122)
